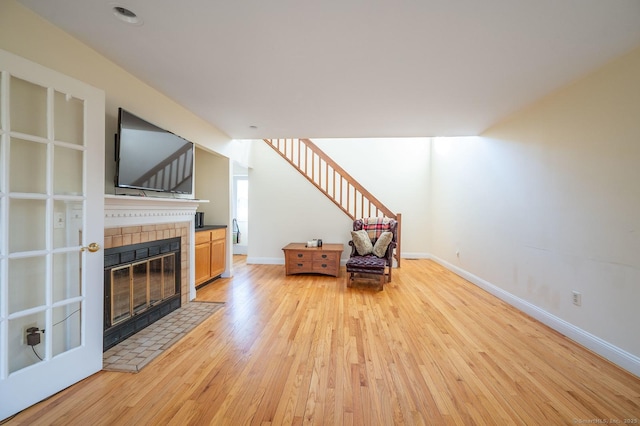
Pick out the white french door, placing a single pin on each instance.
(51, 231)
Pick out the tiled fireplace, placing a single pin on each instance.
(132, 222)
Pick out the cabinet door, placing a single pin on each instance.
(203, 256)
(218, 258)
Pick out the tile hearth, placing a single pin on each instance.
(143, 347)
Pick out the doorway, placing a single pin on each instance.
(240, 210)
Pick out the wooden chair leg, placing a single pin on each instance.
(383, 278)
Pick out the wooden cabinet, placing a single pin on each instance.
(299, 259)
(210, 254)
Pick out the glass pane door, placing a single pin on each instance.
(49, 308)
(45, 204)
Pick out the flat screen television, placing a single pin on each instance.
(150, 158)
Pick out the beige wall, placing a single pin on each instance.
(548, 203)
(213, 184)
(26, 34)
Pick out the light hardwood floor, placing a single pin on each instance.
(429, 349)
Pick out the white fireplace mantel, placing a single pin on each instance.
(129, 210)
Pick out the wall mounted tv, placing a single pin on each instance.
(149, 158)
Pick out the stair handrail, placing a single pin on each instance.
(372, 199)
(343, 174)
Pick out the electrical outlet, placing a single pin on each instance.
(33, 338)
(577, 298)
(25, 332)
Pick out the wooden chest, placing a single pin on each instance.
(299, 259)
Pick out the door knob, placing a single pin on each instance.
(93, 247)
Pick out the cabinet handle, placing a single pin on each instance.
(324, 256)
(324, 265)
(300, 264)
(300, 255)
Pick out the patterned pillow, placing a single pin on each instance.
(380, 247)
(362, 242)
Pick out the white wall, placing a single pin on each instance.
(548, 203)
(284, 207)
(396, 171)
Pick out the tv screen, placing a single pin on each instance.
(151, 158)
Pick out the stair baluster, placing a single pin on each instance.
(354, 200)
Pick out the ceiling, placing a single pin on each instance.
(353, 68)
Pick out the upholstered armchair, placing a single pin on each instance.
(372, 243)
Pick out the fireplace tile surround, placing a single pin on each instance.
(133, 220)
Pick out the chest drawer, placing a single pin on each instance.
(325, 265)
(299, 255)
(326, 257)
(297, 266)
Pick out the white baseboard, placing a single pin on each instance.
(280, 260)
(405, 255)
(603, 348)
(275, 261)
(265, 260)
(239, 249)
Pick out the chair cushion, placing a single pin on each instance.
(380, 247)
(371, 264)
(362, 242)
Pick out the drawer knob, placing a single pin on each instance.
(324, 265)
(324, 256)
(300, 264)
(300, 255)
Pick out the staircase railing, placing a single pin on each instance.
(334, 182)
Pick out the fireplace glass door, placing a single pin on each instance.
(155, 280)
(120, 294)
(169, 276)
(139, 286)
